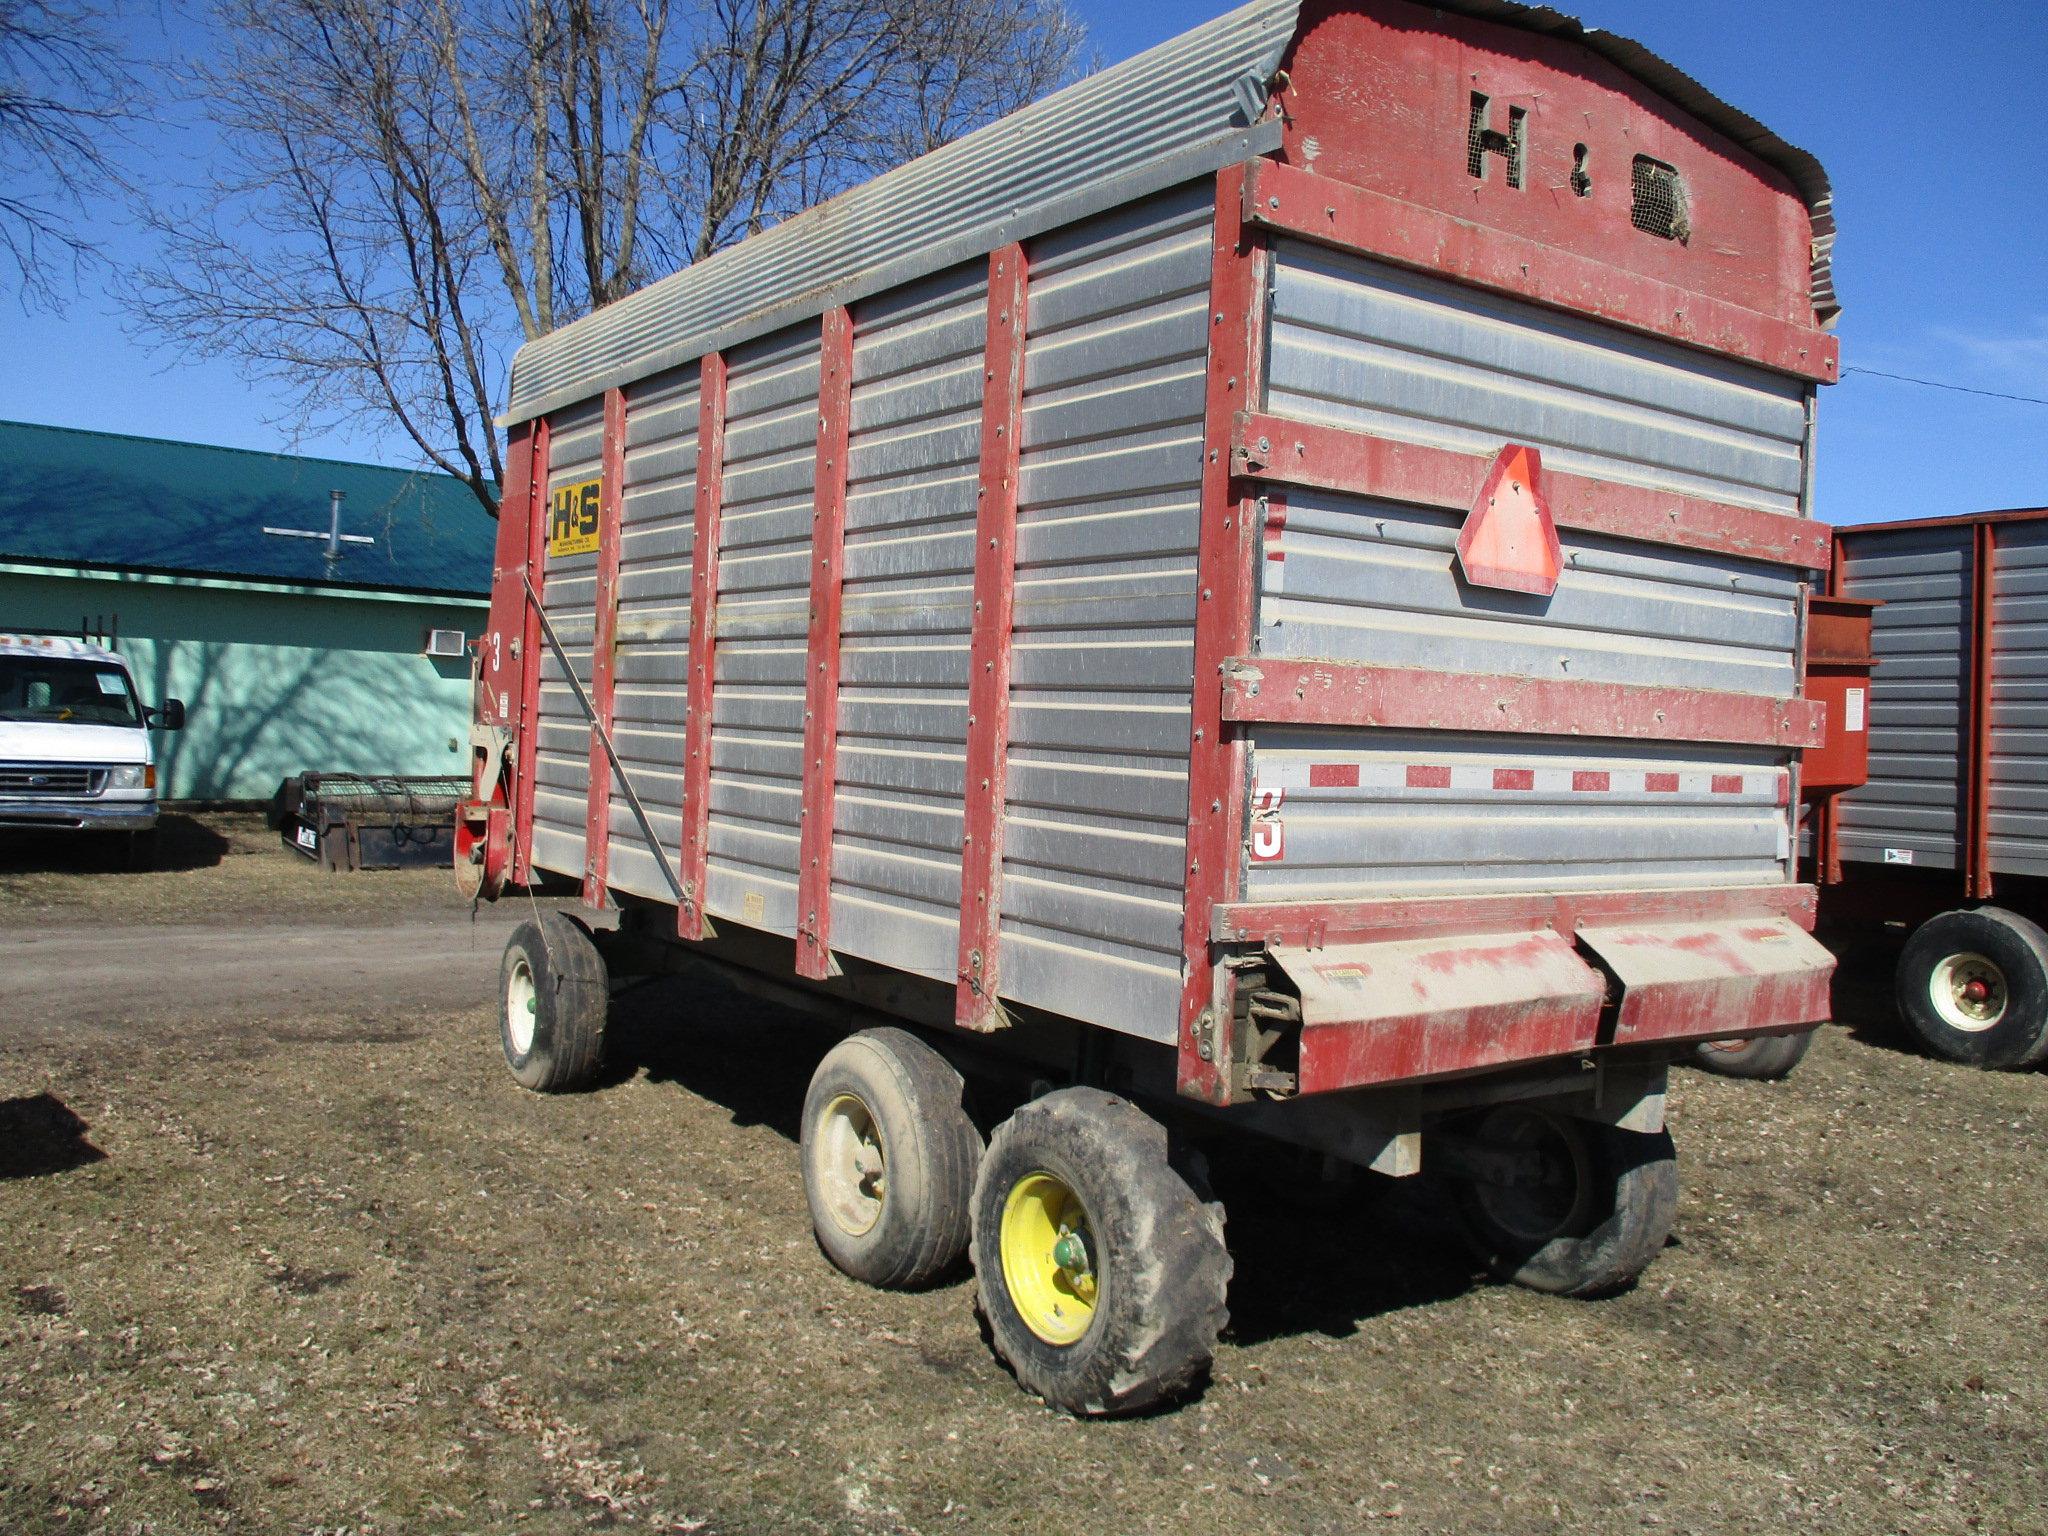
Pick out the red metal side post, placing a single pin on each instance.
(703, 662)
(529, 642)
(1229, 541)
(597, 817)
(1977, 843)
(988, 685)
(821, 652)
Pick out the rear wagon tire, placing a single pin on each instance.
(553, 1003)
(1763, 1058)
(1100, 1269)
(1973, 986)
(889, 1156)
(1608, 1201)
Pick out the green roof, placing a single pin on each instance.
(103, 500)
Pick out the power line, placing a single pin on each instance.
(1961, 389)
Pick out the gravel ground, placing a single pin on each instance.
(283, 1249)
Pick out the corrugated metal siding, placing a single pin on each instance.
(568, 595)
(2019, 700)
(1108, 520)
(650, 694)
(1913, 800)
(1376, 581)
(764, 598)
(1362, 345)
(912, 471)
(1168, 114)
(1570, 816)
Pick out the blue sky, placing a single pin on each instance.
(1928, 118)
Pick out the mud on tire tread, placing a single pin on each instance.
(1163, 1268)
(571, 1005)
(2018, 1040)
(931, 1146)
(1632, 1182)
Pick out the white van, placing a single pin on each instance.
(75, 748)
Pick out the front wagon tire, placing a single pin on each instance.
(553, 1002)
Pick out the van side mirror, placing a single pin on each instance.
(171, 716)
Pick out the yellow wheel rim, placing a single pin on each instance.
(1049, 1258)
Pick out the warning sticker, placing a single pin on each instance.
(1898, 855)
(572, 518)
(1852, 710)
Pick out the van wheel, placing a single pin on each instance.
(552, 1005)
(1974, 987)
(1564, 1205)
(1101, 1271)
(889, 1156)
(1764, 1057)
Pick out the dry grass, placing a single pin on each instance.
(221, 865)
(336, 1272)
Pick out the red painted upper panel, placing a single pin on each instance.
(1572, 155)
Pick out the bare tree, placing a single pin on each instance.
(63, 90)
(409, 188)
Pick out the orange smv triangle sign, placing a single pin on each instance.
(1508, 539)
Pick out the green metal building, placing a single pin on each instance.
(287, 659)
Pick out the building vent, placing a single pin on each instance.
(1657, 202)
(446, 642)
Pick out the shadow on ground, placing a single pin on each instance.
(182, 842)
(40, 1135)
(1305, 1262)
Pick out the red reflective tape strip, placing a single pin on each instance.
(1334, 775)
(1661, 783)
(1727, 784)
(530, 642)
(821, 652)
(1286, 692)
(1590, 779)
(1331, 212)
(1784, 789)
(1276, 531)
(1225, 562)
(611, 495)
(1293, 452)
(1514, 778)
(703, 664)
(1428, 776)
(975, 993)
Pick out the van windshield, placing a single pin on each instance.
(66, 688)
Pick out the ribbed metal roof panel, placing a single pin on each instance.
(1176, 111)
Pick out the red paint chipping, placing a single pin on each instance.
(1428, 776)
(1335, 775)
(1514, 778)
(988, 690)
(597, 805)
(530, 642)
(1340, 459)
(1590, 779)
(821, 651)
(693, 856)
